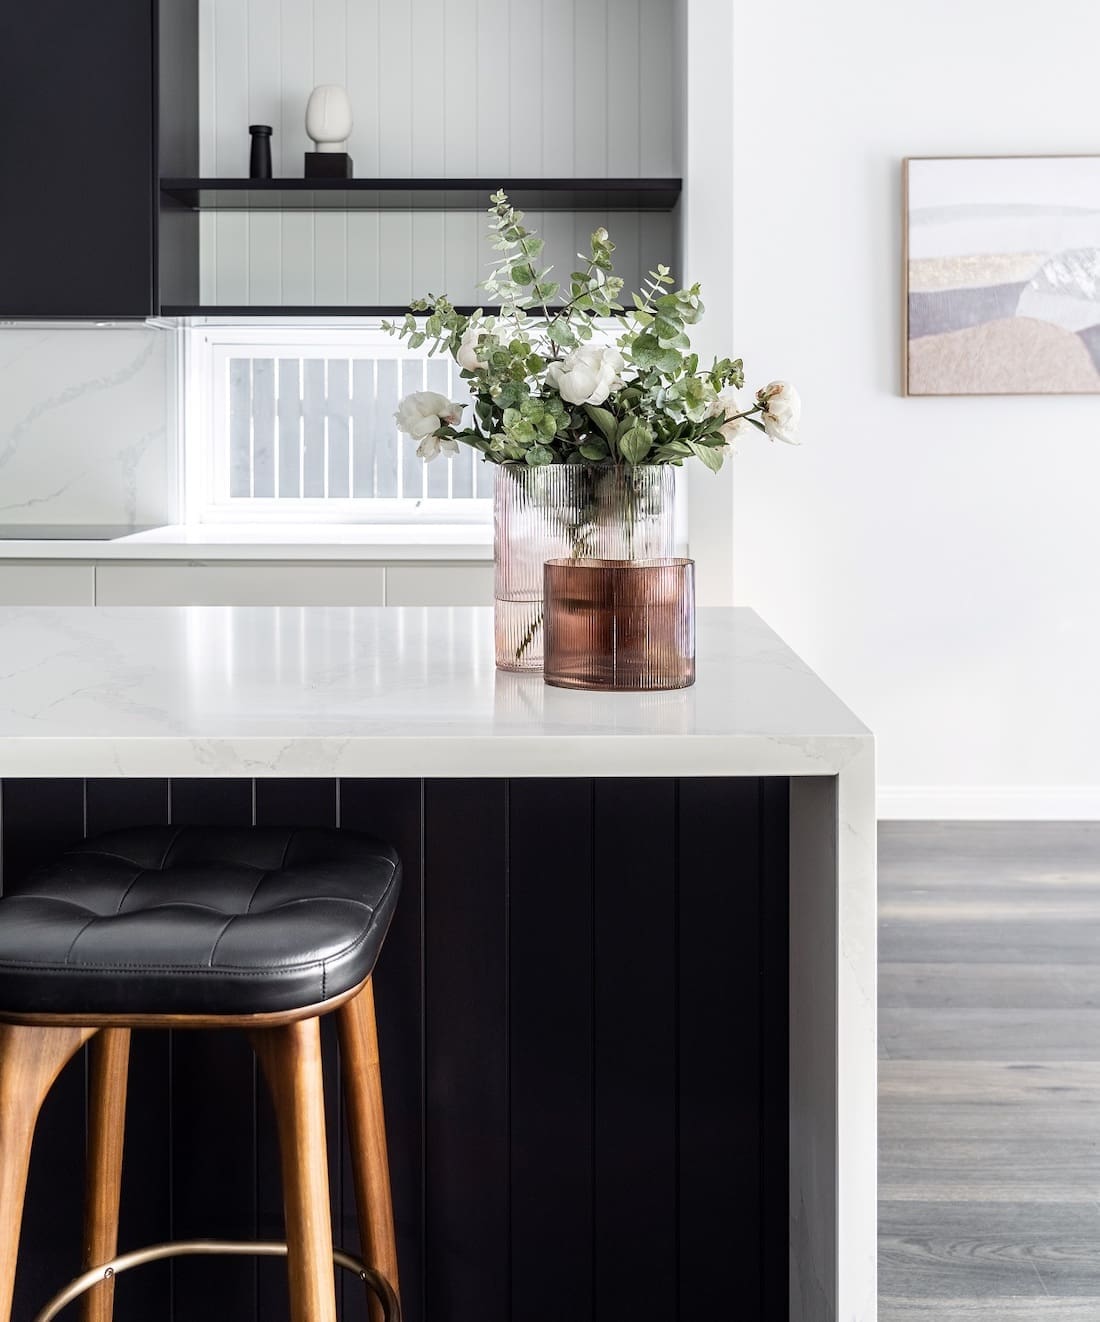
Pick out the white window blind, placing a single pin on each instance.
(300, 427)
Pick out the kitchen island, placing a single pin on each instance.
(627, 1006)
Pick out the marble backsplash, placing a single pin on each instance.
(87, 425)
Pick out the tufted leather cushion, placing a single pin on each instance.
(197, 920)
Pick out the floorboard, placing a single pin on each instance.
(989, 1106)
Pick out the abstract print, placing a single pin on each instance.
(1003, 276)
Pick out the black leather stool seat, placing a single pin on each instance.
(197, 920)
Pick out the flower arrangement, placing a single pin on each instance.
(557, 388)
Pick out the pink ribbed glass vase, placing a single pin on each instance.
(620, 624)
(569, 511)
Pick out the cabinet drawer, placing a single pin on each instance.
(47, 585)
(256, 584)
(439, 585)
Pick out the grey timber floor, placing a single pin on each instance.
(989, 1110)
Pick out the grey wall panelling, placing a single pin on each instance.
(515, 87)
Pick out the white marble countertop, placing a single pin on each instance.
(237, 542)
(365, 691)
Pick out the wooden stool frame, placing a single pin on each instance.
(34, 1048)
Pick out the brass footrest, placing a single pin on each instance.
(378, 1285)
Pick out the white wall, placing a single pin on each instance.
(705, 39)
(938, 560)
(86, 431)
(466, 88)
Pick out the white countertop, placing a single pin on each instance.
(384, 691)
(212, 542)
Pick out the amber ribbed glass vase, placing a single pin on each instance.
(569, 511)
(619, 624)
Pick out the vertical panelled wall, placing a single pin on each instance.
(484, 88)
(583, 1018)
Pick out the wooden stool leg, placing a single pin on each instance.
(110, 1060)
(291, 1061)
(30, 1061)
(362, 1080)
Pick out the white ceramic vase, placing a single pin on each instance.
(328, 117)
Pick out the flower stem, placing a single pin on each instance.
(532, 629)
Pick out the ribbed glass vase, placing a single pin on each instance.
(571, 511)
(620, 624)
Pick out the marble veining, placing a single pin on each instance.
(400, 691)
(84, 434)
(68, 395)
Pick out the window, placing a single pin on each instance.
(292, 424)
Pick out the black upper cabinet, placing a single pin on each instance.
(77, 158)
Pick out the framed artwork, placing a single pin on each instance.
(1002, 268)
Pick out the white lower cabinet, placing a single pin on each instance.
(260, 583)
(23, 584)
(269, 583)
(439, 585)
(251, 583)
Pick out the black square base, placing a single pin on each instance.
(328, 165)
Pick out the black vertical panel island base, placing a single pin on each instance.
(586, 1091)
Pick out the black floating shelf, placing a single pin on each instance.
(307, 310)
(420, 194)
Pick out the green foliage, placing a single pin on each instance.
(604, 419)
(635, 443)
(659, 407)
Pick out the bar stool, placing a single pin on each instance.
(261, 929)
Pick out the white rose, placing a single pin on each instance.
(782, 410)
(431, 447)
(587, 375)
(466, 356)
(727, 405)
(423, 412)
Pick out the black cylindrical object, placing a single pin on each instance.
(259, 165)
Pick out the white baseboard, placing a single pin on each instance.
(1028, 803)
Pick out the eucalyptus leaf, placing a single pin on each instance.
(562, 334)
(645, 351)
